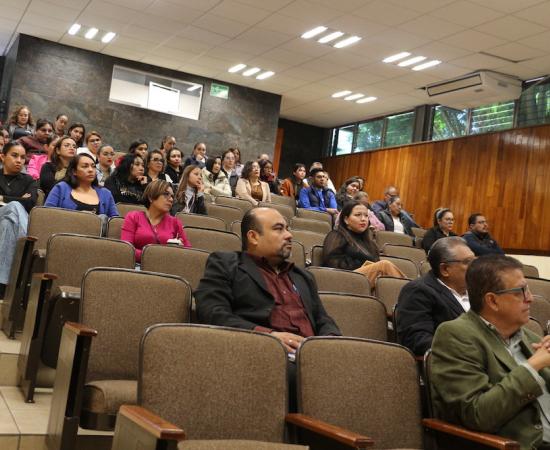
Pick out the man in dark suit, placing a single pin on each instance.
(257, 289)
(437, 297)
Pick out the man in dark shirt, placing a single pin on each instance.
(18, 194)
(257, 289)
(478, 238)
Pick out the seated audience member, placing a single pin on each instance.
(54, 171)
(18, 193)
(489, 372)
(198, 157)
(267, 176)
(350, 246)
(228, 167)
(190, 193)
(291, 186)
(36, 144)
(394, 219)
(3, 139)
(77, 131)
(239, 166)
(167, 144)
(363, 198)
(36, 162)
(478, 238)
(128, 181)
(59, 125)
(140, 148)
(250, 187)
(346, 192)
(381, 205)
(173, 168)
(317, 196)
(93, 142)
(154, 167)
(21, 121)
(329, 183)
(214, 179)
(257, 289)
(156, 225)
(79, 189)
(105, 163)
(443, 227)
(437, 297)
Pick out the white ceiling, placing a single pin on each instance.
(206, 37)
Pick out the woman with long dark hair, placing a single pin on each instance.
(214, 178)
(190, 193)
(267, 176)
(77, 131)
(250, 187)
(351, 246)
(174, 168)
(128, 181)
(55, 170)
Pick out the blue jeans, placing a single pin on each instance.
(13, 225)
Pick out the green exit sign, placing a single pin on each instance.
(219, 90)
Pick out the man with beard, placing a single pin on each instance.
(478, 238)
(257, 289)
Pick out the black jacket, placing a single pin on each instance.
(198, 207)
(432, 235)
(386, 218)
(125, 192)
(422, 306)
(233, 293)
(482, 245)
(12, 188)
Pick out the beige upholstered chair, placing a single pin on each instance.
(226, 389)
(389, 237)
(235, 227)
(317, 255)
(202, 221)
(298, 255)
(317, 226)
(40, 198)
(341, 281)
(114, 227)
(284, 200)
(125, 208)
(425, 268)
(308, 239)
(535, 326)
(286, 211)
(314, 215)
(408, 267)
(213, 240)
(243, 205)
(360, 316)
(227, 213)
(419, 232)
(539, 286)
(540, 311)
(530, 271)
(117, 306)
(387, 290)
(68, 256)
(416, 255)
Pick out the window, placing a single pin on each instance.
(369, 135)
(534, 105)
(498, 116)
(449, 123)
(345, 140)
(399, 129)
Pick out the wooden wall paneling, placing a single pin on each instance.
(504, 175)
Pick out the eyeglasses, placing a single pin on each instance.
(465, 261)
(523, 289)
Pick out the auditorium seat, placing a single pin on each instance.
(114, 227)
(425, 268)
(224, 388)
(341, 281)
(284, 200)
(389, 237)
(540, 310)
(408, 267)
(243, 205)
(317, 226)
(125, 208)
(308, 239)
(387, 290)
(417, 255)
(68, 256)
(530, 271)
(535, 326)
(539, 286)
(201, 221)
(419, 232)
(286, 211)
(235, 227)
(298, 255)
(92, 381)
(227, 213)
(40, 197)
(213, 240)
(317, 255)
(359, 316)
(314, 215)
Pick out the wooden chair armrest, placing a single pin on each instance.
(80, 329)
(333, 432)
(155, 425)
(489, 440)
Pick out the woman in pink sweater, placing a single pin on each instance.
(156, 225)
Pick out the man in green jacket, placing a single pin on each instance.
(488, 373)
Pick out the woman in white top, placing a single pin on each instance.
(214, 178)
(394, 220)
(250, 187)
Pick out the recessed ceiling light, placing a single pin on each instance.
(90, 34)
(433, 62)
(347, 41)
(265, 75)
(353, 97)
(340, 94)
(366, 100)
(194, 88)
(411, 61)
(75, 27)
(236, 68)
(108, 37)
(330, 37)
(251, 71)
(396, 57)
(313, 32)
